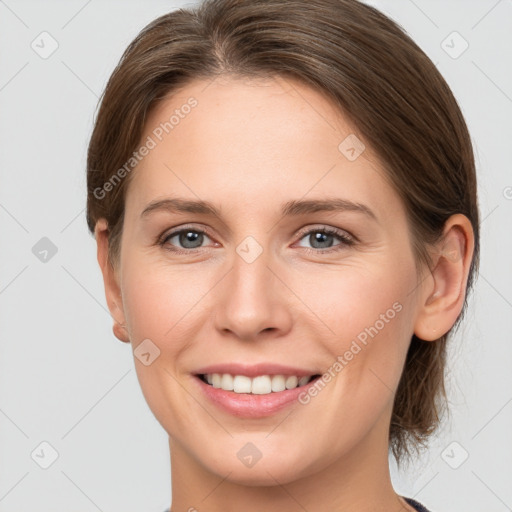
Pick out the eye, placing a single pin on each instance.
(187, 240)
(324, 239)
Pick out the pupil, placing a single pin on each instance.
(321, 238)
(189, 238)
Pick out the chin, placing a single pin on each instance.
(269, 475)
(269, 470)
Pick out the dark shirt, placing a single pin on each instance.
(418, 506)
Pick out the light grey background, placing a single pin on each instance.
(64, 378)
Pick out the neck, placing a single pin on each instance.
(357, 482)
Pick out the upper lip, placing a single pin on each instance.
(253, 370)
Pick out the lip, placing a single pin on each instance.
(253, 370)
(247, 405)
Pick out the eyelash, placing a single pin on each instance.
(345, 240)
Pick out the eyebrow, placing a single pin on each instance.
(290, 208)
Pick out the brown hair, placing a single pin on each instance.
(373, 72)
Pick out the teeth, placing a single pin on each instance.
(278, 383)
(216, 378)
(226, 382)
(260, 385)
(241, 384)
(291, 382)
(303, 380)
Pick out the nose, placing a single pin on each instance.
(252, 301)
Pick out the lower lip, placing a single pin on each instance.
(247, 405)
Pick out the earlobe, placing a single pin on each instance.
(110, 281)
(120, 332)
(442, 296)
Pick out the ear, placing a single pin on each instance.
(110, 281)
(443, 293)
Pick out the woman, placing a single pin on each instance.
(284, 200)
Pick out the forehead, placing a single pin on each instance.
(247, 140)
(273, 111)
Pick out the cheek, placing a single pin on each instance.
(160, 302)
(360, 301)
(371, 317)
(369, 313)
(162, 305)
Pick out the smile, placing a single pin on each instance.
(258, 385)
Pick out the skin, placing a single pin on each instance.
(248, 147)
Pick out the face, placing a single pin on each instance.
(262, 249)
